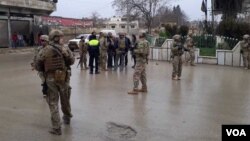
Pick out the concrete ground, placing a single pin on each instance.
(192, 109)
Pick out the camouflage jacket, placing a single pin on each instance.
(51, 51)
(36, 51)
(177, 49)
(142, 51)
(189, 43)
(103, 44)
(244, 46)
(82, 48)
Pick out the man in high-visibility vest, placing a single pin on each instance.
(94, 52)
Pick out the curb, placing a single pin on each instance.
(16, 51)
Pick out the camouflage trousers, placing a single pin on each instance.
(56, 91)
(191, 57)
(177, 66)
(103, 60)
(140, 74)
(120, 56)
(84, 60)
(246, 59)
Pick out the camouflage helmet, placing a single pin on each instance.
(55, 33)
(176, 37)
(246, 36)
(190, 34)
(45, 38)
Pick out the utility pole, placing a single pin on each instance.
(128, 16)
(9, 28)
(206, 22)
(212, 2)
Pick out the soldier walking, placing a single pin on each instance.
(245, 51)
(177, 50)
(141, 53)
(190, 49)
(54, 61)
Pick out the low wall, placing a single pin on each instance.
(223, 57)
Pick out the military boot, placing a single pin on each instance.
(143, 90)
(66, 120)
(56, 131)
(133, 92)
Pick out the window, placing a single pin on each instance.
(113, 26)
(123, 26)
(132, 26)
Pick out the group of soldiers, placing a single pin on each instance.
(53, 63)
(107, 51)
(245, 51)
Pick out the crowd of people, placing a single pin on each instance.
(53, 62)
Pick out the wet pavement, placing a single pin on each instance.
(192, 109)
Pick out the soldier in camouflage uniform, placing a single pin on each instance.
(190, 48)
(177, 51)
(121, 49)
(245, 50)
(54, 61)
(141, 53)
(103, 51)
(44, 41)
(83, 50)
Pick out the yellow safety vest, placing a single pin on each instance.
(94, 42)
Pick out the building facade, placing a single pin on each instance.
(120, 24)
(17, 17)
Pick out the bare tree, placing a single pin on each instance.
(95, 17)
(147, 8)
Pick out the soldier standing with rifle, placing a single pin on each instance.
(177, 50)
(55, 61)
(44, 41)
(245, 51)
(141, 53)
(83, 50)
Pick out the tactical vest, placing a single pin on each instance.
(54, 60)
(122, 43)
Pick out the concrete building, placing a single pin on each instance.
(119, 24)
(16, 16)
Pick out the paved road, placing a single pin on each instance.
(192, 109)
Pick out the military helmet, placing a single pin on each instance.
(246, 36)
(176, 37)
(190, 34)
(55, 33)
(45, 38)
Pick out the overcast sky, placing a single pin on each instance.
(84, 8)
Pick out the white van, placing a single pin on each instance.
(106, 31)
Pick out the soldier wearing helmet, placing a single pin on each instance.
(177, 50)
(103, 51)
(141, 53)
(55, 61)
(122, 46)
(44, 42)
(189, 45)
(245, 50)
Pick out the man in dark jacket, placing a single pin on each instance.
(94, 52)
